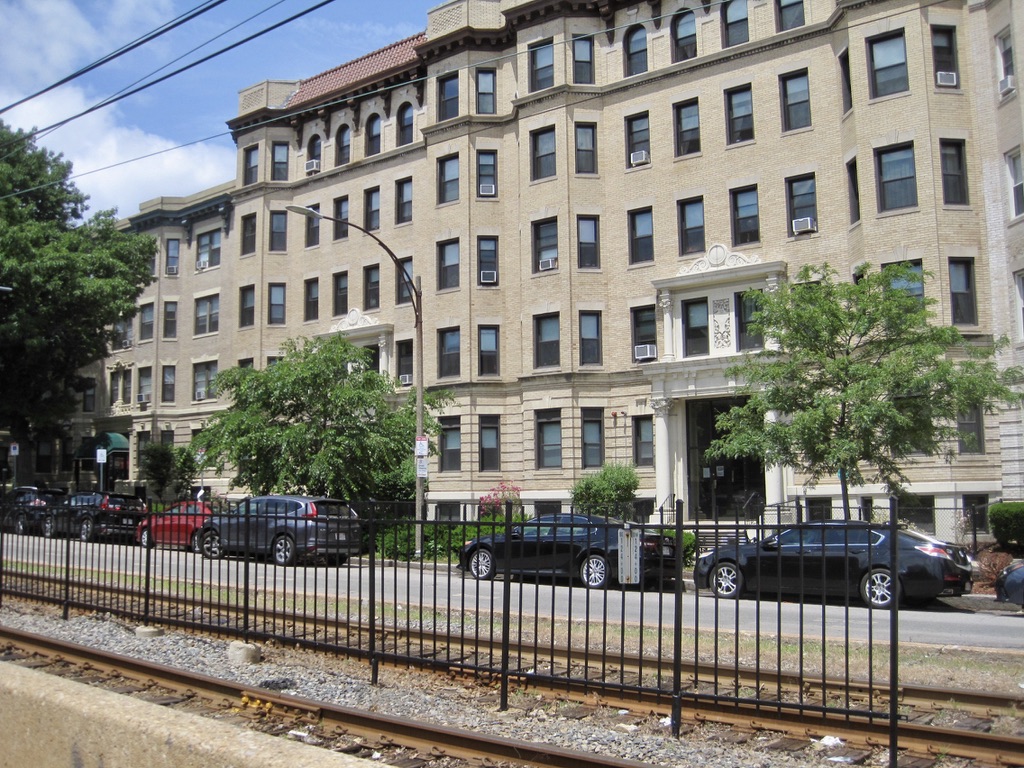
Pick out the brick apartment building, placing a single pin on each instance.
(585, 190)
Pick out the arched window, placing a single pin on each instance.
(684, 36)
(313, 148)
(343, 146)
(636, 51)
(405, 124)
(373, 135)
(734, 23)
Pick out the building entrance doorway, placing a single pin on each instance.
(722, 489)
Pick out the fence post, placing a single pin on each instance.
(677, 632)
(506, 607)
(247, 556)
(894, 639)
(66, 607)
(148, 554)
(372, 586)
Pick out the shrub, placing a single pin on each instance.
(608, 491)
(493, 503)
(1006, 520)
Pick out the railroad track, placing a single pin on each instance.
(974, 713)
(345, 729)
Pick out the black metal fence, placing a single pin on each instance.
(585, 603)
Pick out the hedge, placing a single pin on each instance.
(1006, 521)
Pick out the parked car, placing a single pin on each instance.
(180, 525)
(837, 557)
(26, 506)
(584, 546)
(1009, 584)
(285, 529)
(94, 515)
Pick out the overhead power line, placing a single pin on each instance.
(138, 42)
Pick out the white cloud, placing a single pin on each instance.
(98, 141)
(44, 41)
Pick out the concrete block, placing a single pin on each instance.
(243, 653)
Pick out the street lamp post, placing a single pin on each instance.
(416, 296)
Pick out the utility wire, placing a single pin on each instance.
(138, 42)
(175, 73)
(142, 79)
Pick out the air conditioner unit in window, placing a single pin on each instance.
(126, 343)
(488, 190)
(142, 398)
(202, 264)
(488, 276)
(643, 157)
(172, 269)
(547, 264)
(804, 225)
(645, 351)
(1006, 85)
(405, 379)
(946, 79)
(312, 166)
(200, 394)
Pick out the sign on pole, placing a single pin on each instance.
(421, 466)
(422, 446)
(101, 455)
(14, 449)
(629, 555)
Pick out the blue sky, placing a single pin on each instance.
(43, 41)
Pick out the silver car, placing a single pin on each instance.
(285, 529)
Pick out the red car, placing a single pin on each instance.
(177, 526)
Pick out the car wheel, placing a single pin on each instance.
(86, 529)
(594, 572)
(20, 525)
(146, 539)
(283, 550)
(481, 564)
(196, 542)
(726, 581)
(210, 545)
(876, 588)
(49, 526)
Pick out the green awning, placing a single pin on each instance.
(111, 441)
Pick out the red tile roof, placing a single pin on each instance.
(389, 58)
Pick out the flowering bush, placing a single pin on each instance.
(492, 504)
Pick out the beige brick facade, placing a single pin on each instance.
(660, 394)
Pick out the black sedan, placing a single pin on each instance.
(25, 508)
(574, 545)
(285, 529)
(837, 558)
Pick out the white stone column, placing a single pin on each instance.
(774, 482)
(662, 455)
(668, 323)
(384, 344)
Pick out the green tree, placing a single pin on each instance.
(319, 421)
(855, 378)
(156, 464)
(70, 281)
(610, 490)
(186, 468)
